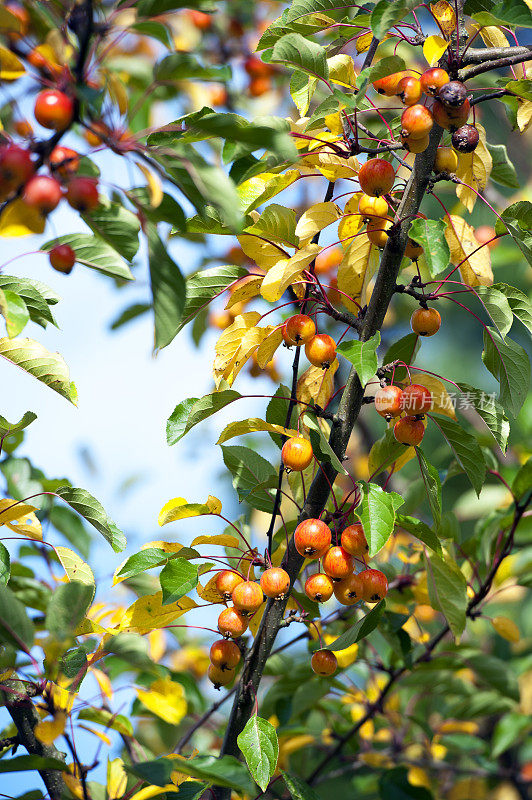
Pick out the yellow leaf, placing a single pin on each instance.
(168, 547)
(317, 385)
(12, 510)
(228, 345)
(375, 459)
(524, 115)
(103, 681)
(165, 699)
(74, 785)
(433, 49)
(265, 254)
(285, 272)
(155, 188)
(256, 191)
(48, 730)
(441, 401)
(178, 508)
(342, 70)
(221, 539)
(256, 620)
(344, 657)
(363, 42)
(116, 779)
(209, 593)
(251, 340)
(492, 36)
(152, 791)
(18, 219)
(245, 291)
(99, 734)
(444, 13)
(268, 347)
(474, 169)
(475, 267)
(316, 218)
(9, 23)
(348, 227)
(331, 165)
(148, 613)
(11, 67)
(335, 123)
(117, 91)
(352, 270)
(506, 628)
(28, 526)
(74, 566)
(252, 425)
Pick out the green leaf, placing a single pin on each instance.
(302, 88)
(490, 410)
(429, 233)
(405, 350)
(259, 745)
(7, 428)
(15, 312)
(278, 223)
(277, 412)
(394, 783)
(362, 355)
(517, 221)
(178, 578)
(145, 559)
(385, 15)
(493, 671)
(523, 480)
(35, 295)
(67, 608)
(519, 303)
(509, 730)
(168, 209)
(49, 368)
(184, 66)
(27, 763)
(93, 252)
(15, 625)
(131, 312)
(503, 171)
(90, 509)
(377, 514)
(299, 790)
(384, 452)
(420, 530)
(190, 412)
(225, 771)
(509, 363)
(521, 88)
(118, 226)
(202, 287)
(252, 475)
(447, 591)
(305, 55)
(466, 449)
(71, 527)
(432, 482)
(5, 565)
(507, 12)
(168, 290)
(117, 722)
(320, 445)
(497, 307)
(360, 629)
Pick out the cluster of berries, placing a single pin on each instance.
(320, 348)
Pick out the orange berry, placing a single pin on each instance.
(349, 591)
(425, 321)
(409, 430)
(321, 350)
(225, 654)
(319, 587)
(416, 399)
(275, 583)
(374, 585)
(297, 453)
(354, 540)
(409, 90)
(54, 109)
(433, 79)
(299, 329)
(247, 597)
(376, 177)
(226, 580)
(220, 677)
(231, 623)
(312, 538)
(324, 663)
(416, 122)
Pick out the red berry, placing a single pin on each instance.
(299, 329)
(433, 79)
(275, 583)
(416, 399)
(199, 19)
(321, 350)
(376, 177)
(224, 654)
(64, 161)
(374, 585)
(409, 430)
(349, 591)
(226, 580)
(354, 540)
(388, 85)
(82, 194)
(16, 166)
(409, 90)
(388, 401)
(247, 597)
(324, 663)
(62, 258)
(312, 538)
(338, 563)
(43, 193)
(231, 623)
(220, 677)
(297, 453)
(449, 118)
(54, 109)
(416, 122)
(319, 587)
(256, 68)
(425, 321)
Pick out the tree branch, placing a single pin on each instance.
(499, 63)
(483, 54)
